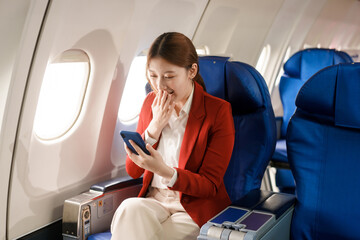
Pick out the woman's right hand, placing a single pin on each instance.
(162, 108)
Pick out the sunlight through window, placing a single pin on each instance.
(134, 92)
(281, 70)
(263, 59)
(203, 51)
(62, 94)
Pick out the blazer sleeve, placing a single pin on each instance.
(209, 178)
(144, 119)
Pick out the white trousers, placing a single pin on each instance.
(159, 216)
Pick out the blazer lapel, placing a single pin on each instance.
(193, 126)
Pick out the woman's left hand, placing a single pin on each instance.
(152, 162)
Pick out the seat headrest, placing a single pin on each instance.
(307, 62)
(333, 92)
(212, 69)
(243, 87)
(238, 83)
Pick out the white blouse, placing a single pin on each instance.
(170, 142)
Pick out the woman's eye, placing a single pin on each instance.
(152, 76)
(169, 77)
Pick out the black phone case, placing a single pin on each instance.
(136, 137)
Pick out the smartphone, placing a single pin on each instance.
(136, 137)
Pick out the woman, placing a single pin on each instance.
(190, 135)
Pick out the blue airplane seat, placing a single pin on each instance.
(100, 236)
(323, 140)
(255, 129)
(254, 120)
(148, 88)
(212, 70)
(297, 70)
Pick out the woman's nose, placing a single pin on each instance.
(161, 85)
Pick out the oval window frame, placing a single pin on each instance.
(135, 82)
(50, 131)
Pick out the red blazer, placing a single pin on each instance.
(204, 156)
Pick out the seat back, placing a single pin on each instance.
(298, 69)
(212, 70)
(255, 128)
(323, 140)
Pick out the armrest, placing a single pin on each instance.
(279, 121)
(266, 201)
(92, 211)
(260, 215)
(116, 183)
(277, 204)
(252, 199)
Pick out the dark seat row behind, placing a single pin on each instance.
(297, 70)
(323, 140)
(323, 145)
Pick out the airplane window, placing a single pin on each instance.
(134, 92)
(204, 50)
(308, 46)
(62, 94)
(281, 71)
(263, 59)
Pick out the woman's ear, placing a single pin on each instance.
(193, 70)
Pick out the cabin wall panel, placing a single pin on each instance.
(14, 13)
(336, 26)
(289, 30)
(20, 25)
(237, 28)
(45, 173)
(322, 23)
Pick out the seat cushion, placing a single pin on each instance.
(100, 236)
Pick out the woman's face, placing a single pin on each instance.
(171, 78)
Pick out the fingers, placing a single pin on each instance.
(163, 105)
(135, 158)
(163, 99)
(152, 162)
(155, 102)
(169, 104)
(162, 108)
(137, 149)
(150, 149)
(129, 152)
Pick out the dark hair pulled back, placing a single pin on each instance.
(177, 49)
